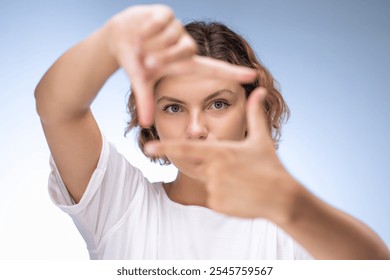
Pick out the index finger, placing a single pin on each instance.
(198, 151)
(211, 67)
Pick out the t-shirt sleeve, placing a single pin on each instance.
(288, 248)
(113, 187)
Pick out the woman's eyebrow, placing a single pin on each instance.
(217, 93)
(171, 99)
(211, 96)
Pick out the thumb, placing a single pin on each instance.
(257, 121)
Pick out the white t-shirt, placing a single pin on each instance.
(123, 216)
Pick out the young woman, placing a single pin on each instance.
(200, 91)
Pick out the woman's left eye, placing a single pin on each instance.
(219, 105)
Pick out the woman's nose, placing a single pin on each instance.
(196, 128)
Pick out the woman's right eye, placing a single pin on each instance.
(172, 109)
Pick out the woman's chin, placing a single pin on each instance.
(189, 167)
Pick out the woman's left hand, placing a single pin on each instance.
(244, 179)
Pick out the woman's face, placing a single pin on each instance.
(194, 108)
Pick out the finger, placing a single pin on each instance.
(184, 48)
(257, 123)
(144, 99)
(156, 22)
(199, 155)
(167, 37)
(211, 67)
(196, 151)
(130, 60)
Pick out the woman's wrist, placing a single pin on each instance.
(106, 41)
(289, 196)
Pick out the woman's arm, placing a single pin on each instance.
(326, 232)
(63, 99)
(66, 91)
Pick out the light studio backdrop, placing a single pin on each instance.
(330, 57)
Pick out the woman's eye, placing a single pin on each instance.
(219, 105)
(172, 109)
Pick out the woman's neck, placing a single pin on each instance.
(187, 191)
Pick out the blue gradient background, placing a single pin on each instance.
(331, 58)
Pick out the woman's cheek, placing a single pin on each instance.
(169, 127)
(232, 126)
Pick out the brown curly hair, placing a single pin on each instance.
(216, 40)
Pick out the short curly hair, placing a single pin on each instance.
(216, 40)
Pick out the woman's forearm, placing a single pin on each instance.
(328, 233)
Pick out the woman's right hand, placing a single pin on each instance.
(149, 43)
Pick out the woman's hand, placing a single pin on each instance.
(149, 43)
(244, 179)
